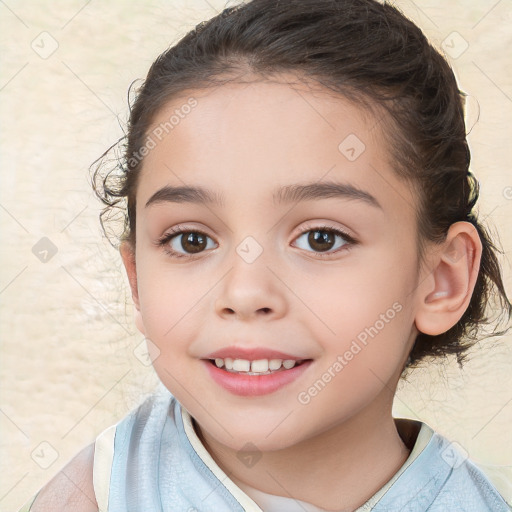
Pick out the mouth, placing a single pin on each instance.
(251, 371)
(255, 367)
(255, 377)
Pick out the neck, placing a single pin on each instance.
(345, 465)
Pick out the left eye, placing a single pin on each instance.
(323, 239)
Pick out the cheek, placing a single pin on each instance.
(365, 305)
(168, 301)
(362, 356)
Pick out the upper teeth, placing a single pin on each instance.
(258, 366)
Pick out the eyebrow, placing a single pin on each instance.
(286, 194)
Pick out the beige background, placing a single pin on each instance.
(70, 366)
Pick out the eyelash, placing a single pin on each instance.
(178, 230)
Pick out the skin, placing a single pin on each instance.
(243, 140)
(72, 488)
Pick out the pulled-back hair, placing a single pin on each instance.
(369, 53)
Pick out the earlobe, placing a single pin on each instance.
(446, 293)
(128, 256)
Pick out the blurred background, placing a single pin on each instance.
(72, 362)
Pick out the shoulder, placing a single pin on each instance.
(472, 488)
(439, 476)
(72, 488)
(466, 486)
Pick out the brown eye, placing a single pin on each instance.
(323, 239)
(192, 242)
(183, 243)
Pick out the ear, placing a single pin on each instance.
(128, 256)
(446, 292)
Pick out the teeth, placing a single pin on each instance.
(261, 366)
(275, 364)
(241, 365)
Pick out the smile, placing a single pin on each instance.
(254, 378)
(257, 367)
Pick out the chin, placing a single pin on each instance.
(253, 437)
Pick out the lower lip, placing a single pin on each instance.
(254, 385)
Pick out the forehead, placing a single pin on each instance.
(251, 137)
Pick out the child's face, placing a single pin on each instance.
(350, 311)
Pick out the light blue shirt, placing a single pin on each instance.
(158, 464)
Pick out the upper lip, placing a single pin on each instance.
(251, 354)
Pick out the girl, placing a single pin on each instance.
(299, 233)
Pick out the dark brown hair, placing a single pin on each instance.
(367, 52)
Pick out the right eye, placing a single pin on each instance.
(189, 241)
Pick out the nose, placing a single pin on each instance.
(251, 291)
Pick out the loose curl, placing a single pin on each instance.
(367, 52)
